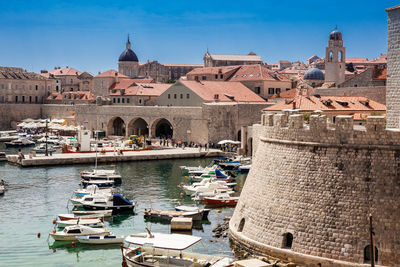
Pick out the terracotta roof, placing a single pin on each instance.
(19, 74)
(65, 72)
(213, 70)
(380, 74)
(290, 94)
(122, 84)
(183, 65)
(54, 96)
(226, 91)
(235, 57)
(329, 103)
(363, 116)
(143, 89)
(257, 73)
(111, 73)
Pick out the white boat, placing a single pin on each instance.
(71, 216)
(41, 148)
(206, 187)
(158, 249)
(102, 175)
(71, 232)
(201, 196)
(2, 189)
(103, 213)
(80, 221)
(244, 168)
(100, 240)
(90, 199)
(19, 142)
(93, 189)
(55, 140)
(193, 208)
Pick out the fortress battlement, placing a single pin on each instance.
(289, 126)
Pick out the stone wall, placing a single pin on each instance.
(16, 112)
(303, 183)
(364, 79)
(375, 93)
(393, 72)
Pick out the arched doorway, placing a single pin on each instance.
(116, 126)
(239, 135)
(163, 128)
(138, 126)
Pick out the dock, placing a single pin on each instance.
(112, 157)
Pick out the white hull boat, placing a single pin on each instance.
(86, 222)
(71, 232)
(100, 240)
(103, 213)
(68, 216)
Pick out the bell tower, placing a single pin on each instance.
(335, 59)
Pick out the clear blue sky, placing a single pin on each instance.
(90, 35)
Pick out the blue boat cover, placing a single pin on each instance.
(119, 200)
(219, 174)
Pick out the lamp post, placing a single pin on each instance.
(46, 136)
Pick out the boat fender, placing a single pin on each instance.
(181, 194)
(54, 231)
(73, 244)
(54, 221)
(38, 235)
(219, 211)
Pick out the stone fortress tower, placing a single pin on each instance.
(311, 187)
(128, 63)
(335, 55)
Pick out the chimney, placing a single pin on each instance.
(294, 104)
(116, 77)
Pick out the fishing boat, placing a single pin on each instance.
(90, 199)
(158, 249)
(93, 189)
(117, 204)
(41, 148)
(19, 143)
(103, 213)
(101, 174)
(71, 232)
(100, 239)
(221, 200)
(167, 215)
(206, 187)
(72, 216)
(96, 222)
(98, 183)
(193, 208)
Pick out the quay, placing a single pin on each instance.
(85, 158)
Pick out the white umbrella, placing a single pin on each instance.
(228, 142)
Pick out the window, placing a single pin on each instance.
(287, 89)
(196, 78)
(257, 90)
(216, 96)
(287, 240)
(270, 91)
(37, 87)
(187, 96)
(119, 100)
(128, 100)
(114, 100)
(123, 100)
(216, 76)
(241, 225)
(174, 96)
(140, 101)
(30, 99)
(16, 99)
(221, 76)
(72, 81)
(36, 99)
(204, 78)
(181, 96)
(23, 87)
(169, 96)
(277, 90)
(71, 89)
(367, 254)
(2, 86)
(23, 99)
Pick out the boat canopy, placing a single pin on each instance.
(119, 200)
(164, 241)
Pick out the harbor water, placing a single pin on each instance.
(36, 195)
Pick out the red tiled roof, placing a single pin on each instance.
(212, 70)
(337, 103)
(111, 73)
(143, 89)
(65, 72)
(380, 74)
(122, 84)
(257, 73)
(226, 91)
(54, 96)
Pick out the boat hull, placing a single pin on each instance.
(220, 203)
(100, 240)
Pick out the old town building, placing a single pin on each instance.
(218, 60)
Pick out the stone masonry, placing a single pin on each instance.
(303, 182)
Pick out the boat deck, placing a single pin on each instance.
(89, 158)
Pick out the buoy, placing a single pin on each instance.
(54, 231)
(219, 211)
(54, 221)
(54, 250)
(73, 244)
(76, 209)
(181, 194)
(180, 185)
(38, 235)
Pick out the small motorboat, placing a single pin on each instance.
(167, 215)
(54, 140)
(193, 208)
(117, 204)
(80, 221)
(93, 189)
(71, 232)
(158, 249)
(101, 174)
(90, 199)
(98, 183)
(206, 187)
(20, 142)
(244, 168)
(221, 200)
(216, 174)
(100, 239)
(41, 148)
(103, 213)
(201, 196)
(69, 216)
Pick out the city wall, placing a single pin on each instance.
(319, 184)
(16, 112)
(377, 93)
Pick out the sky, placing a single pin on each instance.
(90, 35)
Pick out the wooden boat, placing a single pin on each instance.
(193, 208)
(96, 222)
(100, 240)
(93, 189)
(104, 213)
(71, 232)
(167, 250)
(221, 200)
(66, 217)
(167, 215)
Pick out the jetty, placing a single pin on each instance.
(32, 160)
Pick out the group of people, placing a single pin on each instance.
(183, 144)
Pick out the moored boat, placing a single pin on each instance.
(71, 232)
(117, 204)
(193, 208)
(96, 222)
(167, 215)
(41, 148)
(221, 200)
(69, 216)
(103, 213)
(101, 174)
(100, 240)
(19, 143)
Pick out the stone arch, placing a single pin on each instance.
(162, 128)
(116, 126)
(287, 241)
(367, 254)
(138, 126)
(239, 135)
(241, 225)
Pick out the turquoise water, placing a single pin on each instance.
(36, 195)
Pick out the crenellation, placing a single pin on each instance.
(296, 121)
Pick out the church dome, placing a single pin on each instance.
(335, 35)
(128, 55)
(314, 74)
